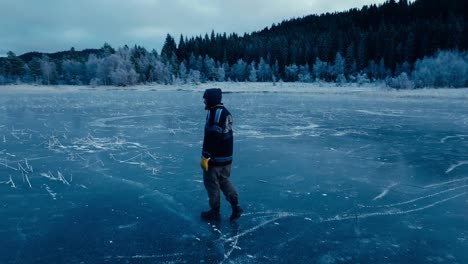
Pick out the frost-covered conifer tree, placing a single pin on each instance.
(193, 64)
(220, 74)
(73, 72)
(26, 74)
(161, 74)
(304, 74)
(372, 70)
(91, 70)
(210, 70)
(227, 70)
(183, 73)
(338, 67)
(382, 69)
(400, 82)
(445, 69)
(194, 77)
(362, 78)
(239, 71)
(48, 69)
(276, 72)
(264, 71)
(143, 62)
(105, 68)
(320, 69)
(252, 72)
(291, 72)
(122, 72)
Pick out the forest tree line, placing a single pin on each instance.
(419, 44)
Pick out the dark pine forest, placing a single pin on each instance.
(396, 32)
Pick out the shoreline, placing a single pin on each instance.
(266, 87)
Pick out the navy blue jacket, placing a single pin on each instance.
(218, 139)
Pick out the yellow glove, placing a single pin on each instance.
(204, 163)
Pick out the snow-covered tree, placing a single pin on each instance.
(162, 73)
(291, 72)
(341, 80)
(372, 70)
(105, 68)
(239, 71)
(143, 63)
(352, 69)
(252, 72)
(227, 70)
(115, 69)
(183, 73)
(338, 67)
(264, 71)
(275, 72)
(304, 74)
(123, 75)
(73, 72)
(194, 77)
(194, 63)
(405, 67)
(220, 74)
(49, 70)
(320, 69)
(445, 69)
(382, 69)
(91, 69)
(27, 74)
(362, 78)
(401, 82)
(210, 70)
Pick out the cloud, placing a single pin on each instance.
(75, 34)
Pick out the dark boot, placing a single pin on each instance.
(236, 212)
(211, 215)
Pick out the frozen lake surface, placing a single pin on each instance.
(112, 176)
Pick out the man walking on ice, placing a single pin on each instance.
(217, 157)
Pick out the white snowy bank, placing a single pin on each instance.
(368, 90)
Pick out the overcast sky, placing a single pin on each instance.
(57, 25)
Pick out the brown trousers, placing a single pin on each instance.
(216, 179)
